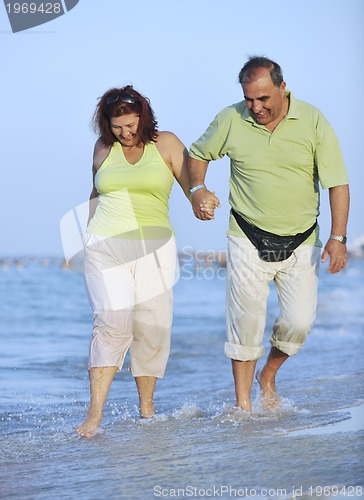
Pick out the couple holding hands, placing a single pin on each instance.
(280, 149)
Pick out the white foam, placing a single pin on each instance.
(352, 424)
(189, 410)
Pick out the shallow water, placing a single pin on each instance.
(198, 445)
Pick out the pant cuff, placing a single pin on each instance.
(242, 353)
(289, 348)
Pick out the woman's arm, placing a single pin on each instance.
(100, 154)
(175, 154)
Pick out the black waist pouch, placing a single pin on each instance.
(272, 247)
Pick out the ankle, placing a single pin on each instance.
(95, 413)
(146, 408)
(244, 404)
(268, 373)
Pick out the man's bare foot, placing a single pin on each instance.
(269, 394)
(90, 426)
(146, 409)
(244, 405)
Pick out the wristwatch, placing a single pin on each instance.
(342, 239)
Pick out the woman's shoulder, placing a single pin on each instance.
(101, 152)
(172, 150)
(166, 135)
(167, 139)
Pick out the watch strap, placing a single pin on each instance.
(342, 239)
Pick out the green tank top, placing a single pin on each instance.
(133, 199)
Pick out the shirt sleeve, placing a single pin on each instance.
(212, 145)
(329, 160)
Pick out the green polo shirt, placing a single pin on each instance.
(275, 176)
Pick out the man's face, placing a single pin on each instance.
(265, 101)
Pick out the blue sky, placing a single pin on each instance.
(185, 56)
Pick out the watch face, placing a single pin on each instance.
(343, 239)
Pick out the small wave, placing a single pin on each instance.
(259, 417)
(189, 410)
(157, 418)
(286, 408)
(231, 415)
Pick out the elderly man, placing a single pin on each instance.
(280, 150)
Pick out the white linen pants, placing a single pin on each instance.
(130, 288)
(248, 279)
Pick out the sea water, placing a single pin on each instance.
(198, 445)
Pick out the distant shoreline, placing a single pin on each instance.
(196, 259)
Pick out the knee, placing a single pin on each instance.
(113, 324)
(294, 331)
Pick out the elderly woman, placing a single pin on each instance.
(130, 250)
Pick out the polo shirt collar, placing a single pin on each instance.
(293, 108)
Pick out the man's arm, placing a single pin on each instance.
(339, 205)
(202, 197)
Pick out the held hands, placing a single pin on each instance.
(336, 251)
(204, 203)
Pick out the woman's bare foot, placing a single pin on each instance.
(90, 426)
(146, 409)
(269, 394)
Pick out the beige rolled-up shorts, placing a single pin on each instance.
(130, 288)
(248, 280)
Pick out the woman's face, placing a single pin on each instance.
(125, 129)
